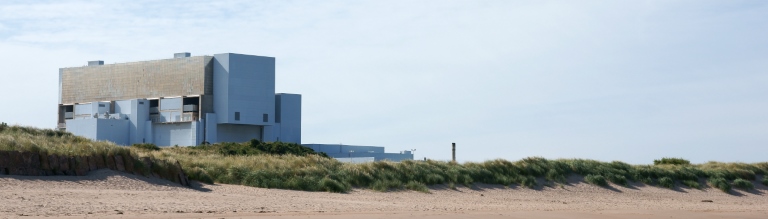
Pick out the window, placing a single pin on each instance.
(266, 117)
(102, 105)
(237, 116)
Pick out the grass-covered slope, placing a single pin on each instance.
(48, 141)
(292, 166)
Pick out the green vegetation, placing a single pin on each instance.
(55, 142)
(673, 161)
(720, 183)
(765, 180)
(292, 166)
(666, 182)
(596, 180)
(743, 184)
(691, 184)
(146, 146)
(256, 147)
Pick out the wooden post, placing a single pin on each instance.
(454, 151)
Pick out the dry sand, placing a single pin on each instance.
(109, 194)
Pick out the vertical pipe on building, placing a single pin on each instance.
(454, 151)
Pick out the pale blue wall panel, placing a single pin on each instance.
(114, 130)
(211, 128)
(82, 127)
(288, 113)
(170, 104)
(181, 134)
(238, 133)
(244, 84)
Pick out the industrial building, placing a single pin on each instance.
(189, 100)
(184, 101)
(359, 154)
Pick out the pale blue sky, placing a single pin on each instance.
(607, 80)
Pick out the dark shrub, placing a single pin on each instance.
(666, 182)
(720, 183)
(255, 147)
(743, 184)
(765, 180)
(673, 161)
(417, 186)
(617, 179)
(200, 175)
(691, 184)
(146, 146)
(527, 181)
(596, 180)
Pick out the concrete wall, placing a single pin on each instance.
(83, 127)
(288, 114)
(238, 133)
(136, 80)
(113, 130)
(211, 128)
(244, 84)
(171, 134)
(137, 112)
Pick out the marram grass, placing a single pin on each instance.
(255, 164)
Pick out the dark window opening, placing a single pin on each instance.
(69, 108)
(154, 106)
(191, 100)
(237, 116)
(190, 104)
(266, 117)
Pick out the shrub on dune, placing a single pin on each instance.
(743, 184)
(666, 182)
(596, 180)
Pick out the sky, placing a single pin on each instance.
(630, 80)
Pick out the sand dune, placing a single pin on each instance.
(109, 194)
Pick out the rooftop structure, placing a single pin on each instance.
(184, 101)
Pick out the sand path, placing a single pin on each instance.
(109, 194)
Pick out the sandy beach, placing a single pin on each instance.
(110, 194)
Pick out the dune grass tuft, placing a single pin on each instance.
(720, 183)
(596, 180)
(743, 184)
(765, 180)
(691, 184)
(671, 161)
(666, 182)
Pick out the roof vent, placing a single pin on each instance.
(94, 63)
(181, 55)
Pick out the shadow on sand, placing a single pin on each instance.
(104, 174)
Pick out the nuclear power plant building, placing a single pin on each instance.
(184, 101)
